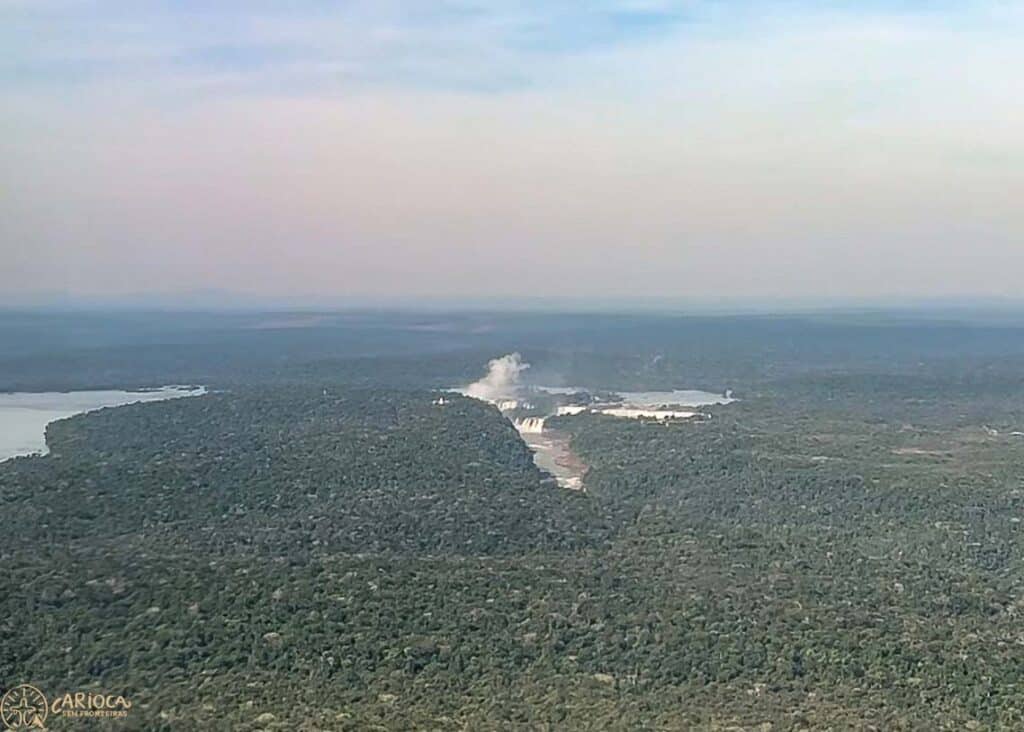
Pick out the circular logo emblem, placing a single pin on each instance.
(23, 707)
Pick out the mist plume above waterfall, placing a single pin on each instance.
(501, 381)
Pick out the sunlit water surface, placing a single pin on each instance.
(24, 415)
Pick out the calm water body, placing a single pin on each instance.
(24, 415)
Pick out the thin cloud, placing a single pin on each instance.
(501, 147)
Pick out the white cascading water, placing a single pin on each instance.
(530, 425)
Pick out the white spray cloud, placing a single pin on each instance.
(501, 381)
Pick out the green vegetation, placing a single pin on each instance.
(841, 549)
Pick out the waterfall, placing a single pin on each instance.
(530, 425)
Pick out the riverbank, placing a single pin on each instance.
(25, 415)
(552, 454)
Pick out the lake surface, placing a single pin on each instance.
(24, 415)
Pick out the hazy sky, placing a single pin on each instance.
(541, 147)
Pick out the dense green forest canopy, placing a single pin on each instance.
(53, 351)
(288, 468)
(317, 544)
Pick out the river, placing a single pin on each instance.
(24, 415)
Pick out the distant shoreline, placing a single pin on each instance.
(25, 415)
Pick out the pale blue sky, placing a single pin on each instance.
(482, 147)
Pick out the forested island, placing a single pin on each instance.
(318, 543)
